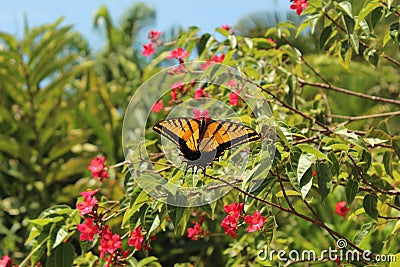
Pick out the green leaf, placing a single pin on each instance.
(336, 167)
(351, 190)
(376, 16)
(396, 145)
(370, 203)
(202, 44)
(350, 24)
(138, 199)
(355, 43)
(365, 161)
(345, 6)
(305, 162)
(368, 7)
(269, 229)
(387, 162)
(365, 229)
(326, 33)
(312, 150)
(146, 261)
(61, 256)
(324, 177)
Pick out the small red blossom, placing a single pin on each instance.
(158, 106)
(226, 27)
(136, 238)
(229, 223)
(235, 209)
(179, 54)
(255, 221)
(98, 169)
(205, 65)
(341, 208)
(196, 232)
(219, 59)
(87, 205)
(154, 35)
(271, 41)
(234, 99)
(88, 230)
(314, 173)
(299, 6)
(6, 261)
(173, 96)
(198, 114)
(178, 85)
(148, 49)
(198, 93)
(89, 192)
(177, 69)
(231, 83)
(109, 242)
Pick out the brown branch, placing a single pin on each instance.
(283, 189)
(387, 192)
(366, 117)
(348, 92)
(294, 212)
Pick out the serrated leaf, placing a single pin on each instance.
(370, 203)
(269, 229)
(351, 190)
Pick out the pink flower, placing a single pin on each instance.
(299, 6)
(173, 96)
(234, 99)
(179, 54)
(219, 59)
(98, 168)
(231, 83)
(87, 205)
(178, 85)
(229, 223)
(255, 221)
(195, 232)
(6, 261)
(89, 192)
(198, 93)
(88, 230)
(154, 35)
(148, 49)
(341, 208)
(136, 238)
(271, 41)
(226, 27)
(235, 209)
(198, 115)
(158, 106)
(109, 242)
(204, 66)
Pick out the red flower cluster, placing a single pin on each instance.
(179, 54)
(136, 238)
(341, 208)
(181, 89)
(150, 48)
(158, 106)
(215, 59)
(198, 114)
(98, 169)
(198, 93)
(88, 230)
(89, 202)
(197, 232)
(231, 221)
(6, 261)
(298, 5)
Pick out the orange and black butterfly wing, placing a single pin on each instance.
(184, 132)
(227, 135)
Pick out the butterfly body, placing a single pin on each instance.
(201, 141)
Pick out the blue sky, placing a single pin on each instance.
(206, 14)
